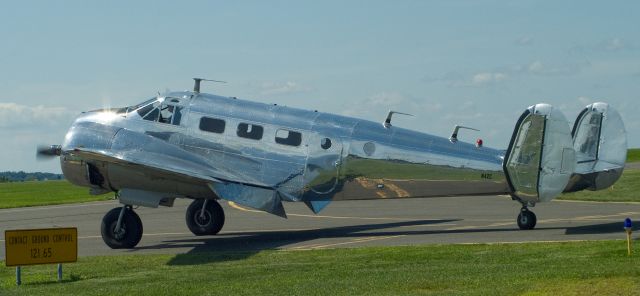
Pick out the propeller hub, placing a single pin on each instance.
(48, 151)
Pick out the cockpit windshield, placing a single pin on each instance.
(162, 110)
(145, 103)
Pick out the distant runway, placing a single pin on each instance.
(480, 219)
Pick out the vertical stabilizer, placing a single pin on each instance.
(600, 142)
(540, 158)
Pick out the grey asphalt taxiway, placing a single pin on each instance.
(443, 220)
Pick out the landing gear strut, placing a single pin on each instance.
(527, 219)
(205, 217)
(121, 228)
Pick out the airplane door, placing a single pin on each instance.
(324, 160)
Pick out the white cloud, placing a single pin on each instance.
(536, 67)
(281, 88)
(585, 100)
(14, 115)
(376, 106)
(614, 44)
(386, 99)
(487, 78)
(377, 103)
(25, 127)
(539, 68)
(524, 41)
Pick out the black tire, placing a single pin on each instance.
(213, 217)
(131, 226)
(527, 220)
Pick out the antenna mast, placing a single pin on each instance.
(196, 85)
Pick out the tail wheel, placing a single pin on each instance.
(205, 219)
(130, 232)
(527, 220)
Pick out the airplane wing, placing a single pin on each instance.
(223, 182)
(163, 163)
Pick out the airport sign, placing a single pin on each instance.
(41, 246)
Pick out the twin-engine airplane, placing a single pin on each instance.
(206, 148)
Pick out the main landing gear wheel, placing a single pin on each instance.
(205, 217)
(124, 236)
(527, 219)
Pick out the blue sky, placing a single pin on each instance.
(478, 63)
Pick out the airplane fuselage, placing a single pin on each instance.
(308, 155)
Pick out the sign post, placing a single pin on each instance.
(18, 276)
(628, 228)
(40, 246)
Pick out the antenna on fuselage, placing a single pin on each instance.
(196, 85)
(454, 135)
(387, 121)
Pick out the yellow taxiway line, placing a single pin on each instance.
(238, 207)
(354, 241)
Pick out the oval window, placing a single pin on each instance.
(369, 148)
(325, 143)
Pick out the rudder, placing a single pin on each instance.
(540, 158)
(600, 142)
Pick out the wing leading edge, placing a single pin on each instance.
(169, 160)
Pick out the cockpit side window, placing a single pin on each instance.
(144, 110)
(153, 115)
(170, 114)
(177, 115)
(162, 112)
(145, 104)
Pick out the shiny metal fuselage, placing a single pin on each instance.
(365, 160)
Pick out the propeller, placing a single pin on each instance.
(44, 152)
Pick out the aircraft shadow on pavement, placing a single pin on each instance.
(246, 244)
(610, 227)
(232, 246)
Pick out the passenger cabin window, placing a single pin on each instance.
(250, 131)
(325, 143)
(287, 137)
(212, 125)
(163, 113)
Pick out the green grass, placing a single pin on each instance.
(626, 189)
(575, 268)
(38, 193)
(633, 155)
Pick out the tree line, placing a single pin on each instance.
(22, 176)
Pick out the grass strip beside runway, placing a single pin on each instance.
(572, 268)
(41, 193)
(633, 155)
(626, 189)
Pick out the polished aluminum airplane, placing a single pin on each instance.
(207, 147)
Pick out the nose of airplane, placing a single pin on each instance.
(90, 130)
